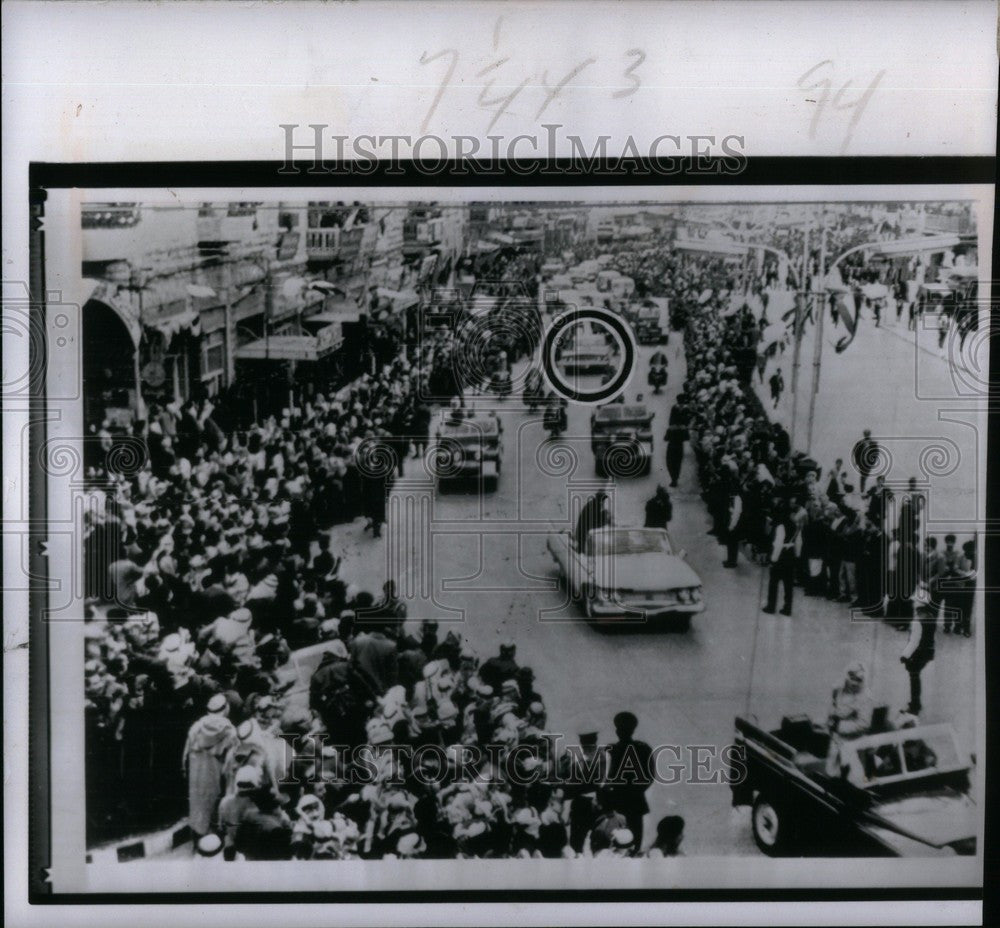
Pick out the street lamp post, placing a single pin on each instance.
(818, 347)
(799, 322)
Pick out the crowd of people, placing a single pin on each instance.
(209, 564)
(834, 532)
(210, 570)
(401, 744)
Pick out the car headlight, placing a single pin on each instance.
(684, 596)
(696, 595)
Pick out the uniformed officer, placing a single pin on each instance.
(582, 770)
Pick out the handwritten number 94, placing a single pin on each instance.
(818, 85)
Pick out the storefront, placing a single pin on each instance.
(285, 370)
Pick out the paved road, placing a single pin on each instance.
(480, 562)
(923, 417)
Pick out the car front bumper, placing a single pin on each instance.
(652, 608)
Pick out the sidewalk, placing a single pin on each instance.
(917, 417)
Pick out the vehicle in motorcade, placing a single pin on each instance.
(587, 352)
(555, 420)
(621, 437)
(652, 322)
(628, 575)
(898, 792)
(622, 286)
(585, 271)
(468, 448)
(605, 278)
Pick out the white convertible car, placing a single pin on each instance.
(628, 573)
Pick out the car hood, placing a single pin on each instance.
(646, 572)
(938, 818)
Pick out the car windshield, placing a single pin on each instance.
(630, 541)
(905, 753)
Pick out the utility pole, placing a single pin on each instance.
(818, 348)
(797, 350)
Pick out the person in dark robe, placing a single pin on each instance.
(594, 515)
(630, 774)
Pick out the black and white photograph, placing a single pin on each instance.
(552, 533)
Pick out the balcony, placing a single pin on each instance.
(323, 244)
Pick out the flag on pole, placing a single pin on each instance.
(849, 312)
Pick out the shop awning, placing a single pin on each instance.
(326, 287)
(711, 246)
(923, 243)
(339, 311)
(332, 316)
(201, 292)
(188, 319)
(292, 347)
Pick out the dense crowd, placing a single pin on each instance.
(222, 539)
(233, 674)
(218, 568)
(842, 539)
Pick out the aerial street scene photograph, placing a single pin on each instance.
(511, 529)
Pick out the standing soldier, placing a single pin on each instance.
(950, 558)
(581, 772)
(931, 567)
(966, 593)
(777, 382)
(865, 456)
(734, 523)
(786, 546)
(677, 434)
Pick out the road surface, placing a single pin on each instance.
(480, 563)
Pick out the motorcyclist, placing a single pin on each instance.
(501, 375)
(657, 378)
(533, 392)
(555, 414)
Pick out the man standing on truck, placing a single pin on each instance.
(850, 714)
(594, 515)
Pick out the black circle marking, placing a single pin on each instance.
(613, 386)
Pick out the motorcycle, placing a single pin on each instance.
(657, 377)
(555, 422)
(500, 383)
